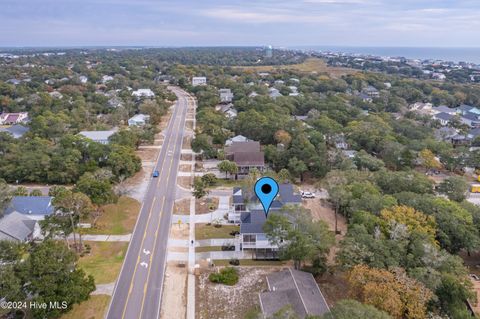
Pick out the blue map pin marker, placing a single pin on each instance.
(266, 189)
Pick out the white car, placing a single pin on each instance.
(308, 195)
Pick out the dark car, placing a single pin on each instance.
(156, 174)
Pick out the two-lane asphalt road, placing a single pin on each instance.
(138, 290)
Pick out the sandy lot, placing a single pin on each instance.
(206, 205)
(174, 291)
(322, 210)
(179, 231)
(185, 168)
(230, 302)
(185, 181)
(182, 207)
(186, 157)
(187, 142)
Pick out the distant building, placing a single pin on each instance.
(83, 79)
(147, 93)
(371, 92)
(295, 288)
(253, 94)
(268, 51)
(443, 118)
(107, 78)
(13, 118)
(35, 207)
(102, 137)
(444, 109)
(199, 80)
(115, 102)
(274, 93)
(16, 130)
(228, 110)
(238, 138)
(139, 120)
(226, 95)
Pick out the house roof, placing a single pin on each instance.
(444, 116)
(139, 117)
(16, 131)
(295, 288)
(252, 222)
(286, 194)
(443, 108)
(98, 135)
(243, 147)
(475, 132)
(249, 158)
(31, 205)
(16, 226)
(471, 116)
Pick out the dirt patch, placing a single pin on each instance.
(186, 157)
(206, 205)
(189, 124)
(185, 168)
(334, 287)
(178, 249)
(185, 181)
(148, 154)
(182, 207)
(322, 210)
(174, 301)
(179, 231)
(230, 302)
(187, 140)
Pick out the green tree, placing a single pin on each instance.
(454, 187)
(228, 167)
(348, 309)
(5, 195)
(36, 192)
(20, 191)
(297, 167)
(97, 187)
(199, 188)
(52, 276)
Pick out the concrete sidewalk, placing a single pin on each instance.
(112, 238)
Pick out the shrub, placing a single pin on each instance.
(234, 262)
(209, 179)
(227, 276)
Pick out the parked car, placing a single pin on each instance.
(156, 173)
(308, 195)
(475, 277)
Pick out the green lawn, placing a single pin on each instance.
(93, 308)
(116, 219)
(104, 261)
(251, 262)
(204, 231)
(208, 248)
(227, 183)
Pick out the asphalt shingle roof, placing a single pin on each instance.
(16, 226)
(295, 288)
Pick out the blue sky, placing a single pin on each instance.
(280, 23)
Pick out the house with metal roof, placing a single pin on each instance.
(138, 120)
(295, 288)
(13, 118)
(34, 207)
(18, 227)
(102, 137)
(443, 118)
(16, 131)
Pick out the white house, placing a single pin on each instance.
(83, 79)
(199, 80)
(138, 120)
(143, 93)
(13, 118)
(226, 95)
(107, 78)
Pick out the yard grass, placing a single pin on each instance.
(251, 262)
(104, 261)
(226, 183)
(116, 219)
(204, 231)
(309, 65)
(93, 308)
(207, 249)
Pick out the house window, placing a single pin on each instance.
(251, 239)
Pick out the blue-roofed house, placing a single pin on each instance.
(102, 137)
(35, 207)
(248, 212)
(443, 117)
(16, 131)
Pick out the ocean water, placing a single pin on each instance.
(456, 54)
